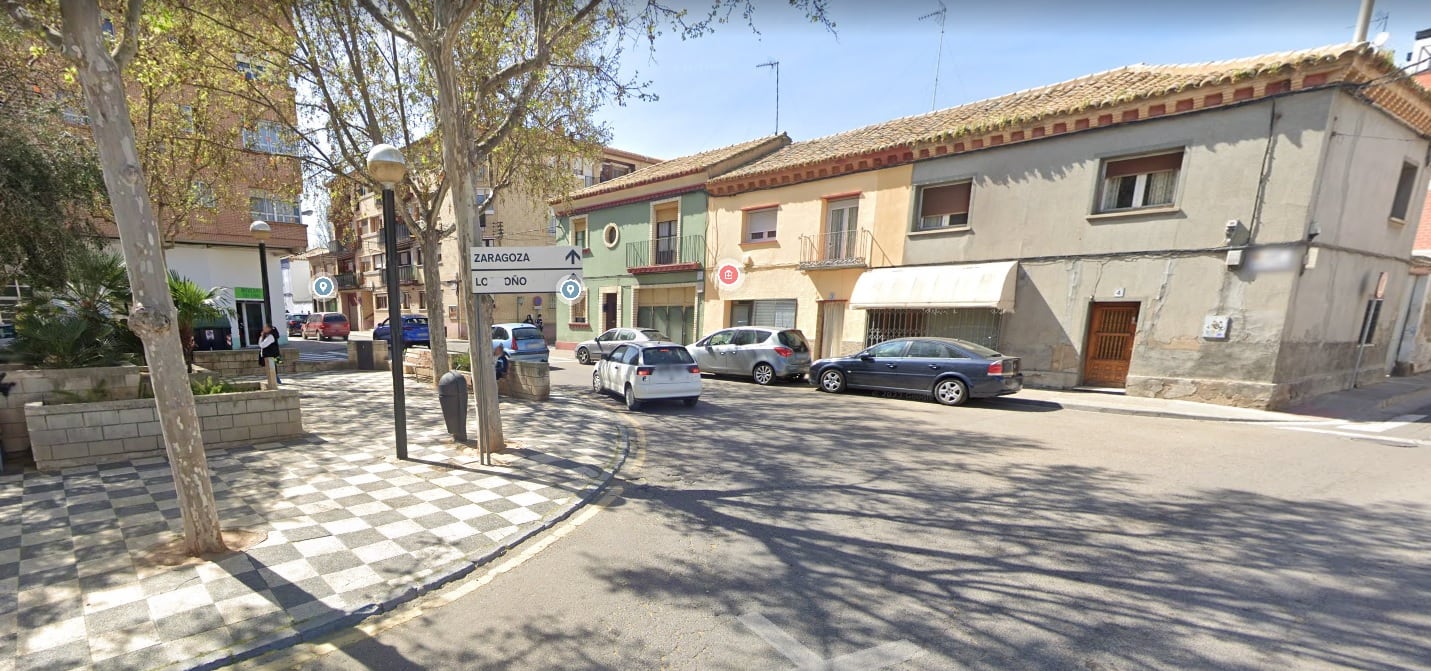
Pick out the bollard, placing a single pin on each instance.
(452, 394)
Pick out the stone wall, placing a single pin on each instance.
(78, 434)
(45, 384)
(417, 363)
(242, 362)
(529, 380)
(380, 354)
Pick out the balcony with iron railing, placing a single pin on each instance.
(346, 280)
(409, 275)
(665, 255)
(835, 251)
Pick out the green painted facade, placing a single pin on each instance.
(606, 270)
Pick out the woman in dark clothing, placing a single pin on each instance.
(268, 349)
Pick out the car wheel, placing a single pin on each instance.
(583, 357)
(690, 402)
(764, 374)
(596, 387)
(832, 381)
(951, 391)
(632, 403)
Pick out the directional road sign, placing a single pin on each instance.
(523, 270)
(324, 287)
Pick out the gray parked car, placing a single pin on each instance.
(591, 351)
(765, 353)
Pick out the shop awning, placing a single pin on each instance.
(978, 285)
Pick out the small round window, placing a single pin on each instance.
(611, 235)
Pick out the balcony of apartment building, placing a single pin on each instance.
(836, 250)
(348, 280)
(666, 254)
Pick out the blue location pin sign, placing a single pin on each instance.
(569, 289)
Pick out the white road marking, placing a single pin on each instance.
(1382, 427)
(878, 657)
(1399, 442)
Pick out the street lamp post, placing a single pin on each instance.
(260, 231)
(386, 164)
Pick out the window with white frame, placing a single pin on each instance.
(271, 138)
(266, 207)
(760, 225)
(666, 243)
(1140, 181)
(842, 221)
(203, 195)
(1401, 203)
(578, 233)
(944, 206)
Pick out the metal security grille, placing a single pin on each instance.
(979, 326)
(677, 322)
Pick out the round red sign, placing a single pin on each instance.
(728, 274)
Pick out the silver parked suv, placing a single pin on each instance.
(766, 353)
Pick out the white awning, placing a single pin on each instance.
(978, 285)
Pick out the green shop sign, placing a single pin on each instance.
(248, 293)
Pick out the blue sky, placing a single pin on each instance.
(880, 63)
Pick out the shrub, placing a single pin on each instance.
(462, 362)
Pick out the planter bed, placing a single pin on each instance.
(77, 434)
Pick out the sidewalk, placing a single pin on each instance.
(1372, 403)
(350, 531)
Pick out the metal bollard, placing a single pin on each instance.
(452, 394)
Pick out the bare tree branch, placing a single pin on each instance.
(408, 15)
(128, 45)
(20, 13)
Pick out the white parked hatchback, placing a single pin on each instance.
(648, 371)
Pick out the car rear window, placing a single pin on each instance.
(673, 354)
(977, 349)
(527, 334)
(415, 321)
(794, 340)
(335, 319)
(653, 334)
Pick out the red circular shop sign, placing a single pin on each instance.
(729, 274)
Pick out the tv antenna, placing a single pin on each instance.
(775, 64)
(939, 58)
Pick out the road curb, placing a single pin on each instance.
(324, 625)
(1140, 412)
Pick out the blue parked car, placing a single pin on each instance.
(951, 371)
(414, 331)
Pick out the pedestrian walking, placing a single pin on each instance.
(528, 320)
(268, 352)
(539, 322)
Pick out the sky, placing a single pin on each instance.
(879, 63)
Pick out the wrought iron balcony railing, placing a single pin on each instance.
(684, 253)
(346, 280)
(828, 251)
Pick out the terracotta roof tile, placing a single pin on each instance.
(1108, 88)
(675, 167)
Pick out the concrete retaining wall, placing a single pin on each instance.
(241, 362)
(78, 434)
(526, 379)
(45, 384)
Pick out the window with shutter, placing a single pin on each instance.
(1140, 181)
(944, 206)
(760, 225)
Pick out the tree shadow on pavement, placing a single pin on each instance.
(872, 529)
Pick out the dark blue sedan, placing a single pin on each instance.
(951, 371)
(414, 331)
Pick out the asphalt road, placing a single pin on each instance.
(770, 528)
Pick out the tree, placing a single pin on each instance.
(193, 304)
(500, 65)
(51, 189)
(80, 39)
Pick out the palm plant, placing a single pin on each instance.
(76, 323)
(195, 304)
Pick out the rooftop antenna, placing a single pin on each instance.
(775, 64)
(939, 58)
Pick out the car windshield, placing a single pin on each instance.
(659, 355)
(653, 334)
(976, 349)
(526, 333)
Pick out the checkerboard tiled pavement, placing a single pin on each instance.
(350, 530)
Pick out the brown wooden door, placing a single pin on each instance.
(608, 311)
(1110, 344)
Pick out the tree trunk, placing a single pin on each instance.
(152, 316)
(456, 147)
(436, 302)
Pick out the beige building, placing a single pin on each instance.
(1217, 231)
(358, 261)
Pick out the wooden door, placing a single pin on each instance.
(1110, 344)
(608, 311)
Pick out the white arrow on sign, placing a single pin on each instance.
(551, 257)
(519, 281)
